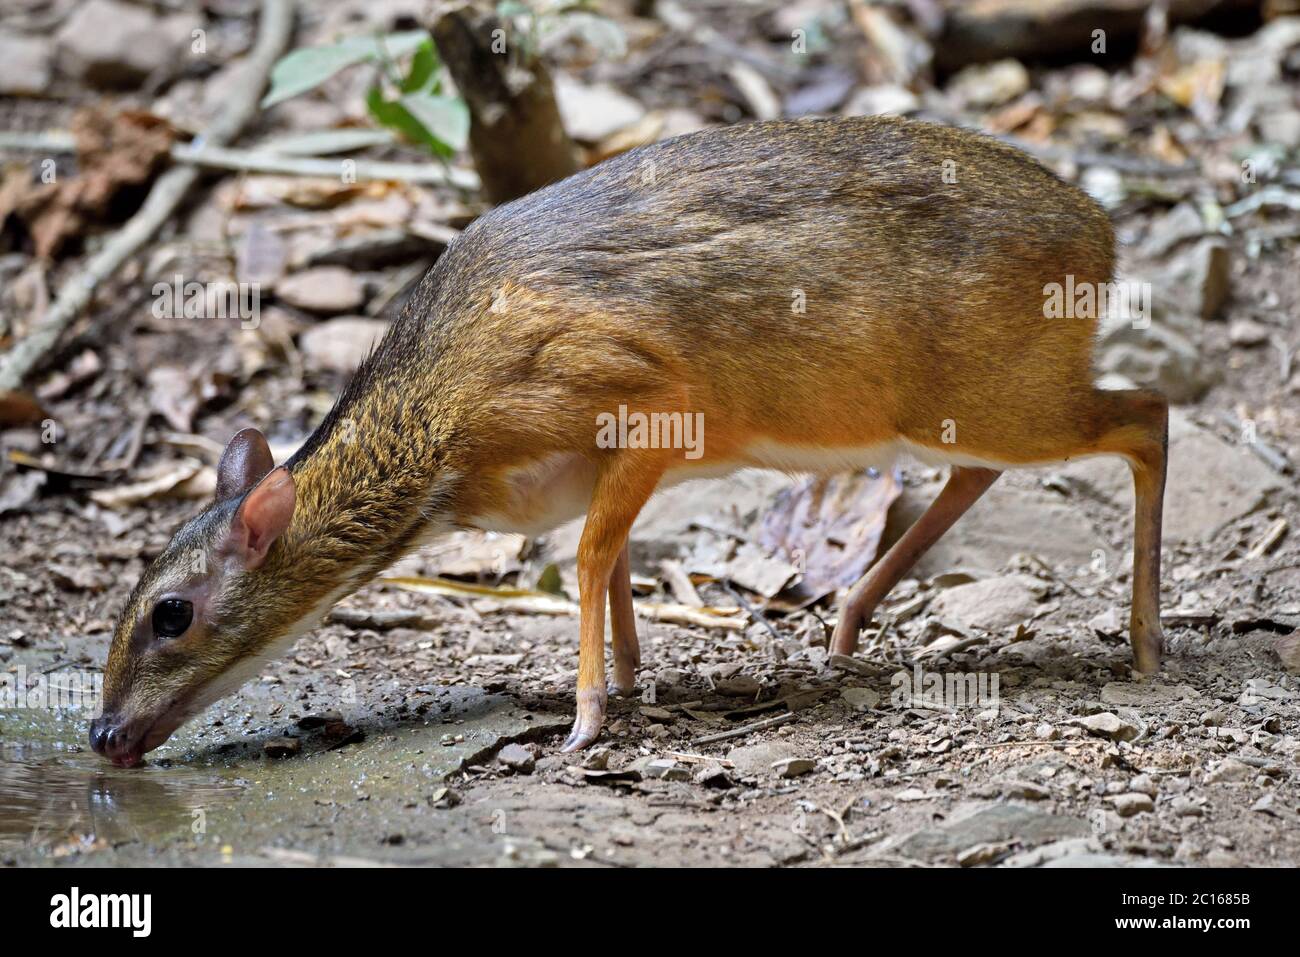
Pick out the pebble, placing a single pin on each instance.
(1126, 805)
(518, 758)
(281, 747)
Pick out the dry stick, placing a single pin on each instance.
(747, 729)
(273, 36)
(260, 161)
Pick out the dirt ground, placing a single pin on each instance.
(422, 725)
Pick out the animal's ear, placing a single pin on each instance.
(261, 518)
(245, 462)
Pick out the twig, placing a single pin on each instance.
(167, 193)
(260, 161)
(747, 729)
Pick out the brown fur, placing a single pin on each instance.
(664, 279)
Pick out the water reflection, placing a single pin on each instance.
(62, 800)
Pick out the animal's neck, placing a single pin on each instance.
(367, 489)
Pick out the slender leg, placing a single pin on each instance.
(964, 486)
(627, 650)
(622, 487)
(1145, 634)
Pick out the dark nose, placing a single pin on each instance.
(101, 732)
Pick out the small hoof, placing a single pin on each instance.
(844, 641)
(586, 726)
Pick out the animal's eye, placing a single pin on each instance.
(171, 617)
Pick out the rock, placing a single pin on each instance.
(1195, 282)
(1103, 184)
(1042, 29)
(981, 854)
(1229, 771)
(753, 760)
(341, 344)
(991, 604)
(1281, 127)
(885, 100)
(1014, 511)
(1145, 694)
(110, 44)
(1126, 805)
(1287, 649)
(861, 699)
(1248, 333)
(989, 824)
(1144, 784)
(793, 767)
(1092, 859)
(1211, 483)
(1157, 356)
(738, 686)
(518, 758)
(597, 759)
(714, 776)
(991, 84)
(1109, 725)
(1178, 225)
(591, 113)
(666, 769)
(1027, 790)
(24, 64)
(281, 747)
(328, 290)
(1186, 807)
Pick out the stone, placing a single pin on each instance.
(1157, 356)
(1109, 725)
(1186, 807)
(1248, 333)
(666, 769)
(1195, 282)
(738, 686)
(1026, 790)
(753, 760)
(1126, 805)
(1281, 127)
(281, 747)
(861, 699)
(25, 64)
(793, 767)
(1229, 771)
(110, 44)
(1015, 512)
(989, 824)
(1145, 694)
(340, 345)
(328, 290)
(591, 113)
(1211, 483)
(884, 100)
(991, 604)
(990, 84)
(517, 758)
(1287, 649)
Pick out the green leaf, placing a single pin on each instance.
(439, 122)
(445, 117)
(308, 68)
(423, 69)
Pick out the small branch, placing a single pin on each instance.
(747, 729)
(516, 136)
(168, 191)
(258, 161)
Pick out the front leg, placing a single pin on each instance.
(623, 485)
(622, 625)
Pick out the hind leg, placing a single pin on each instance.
(622, 623)
(1145, 444)
(964, 487)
